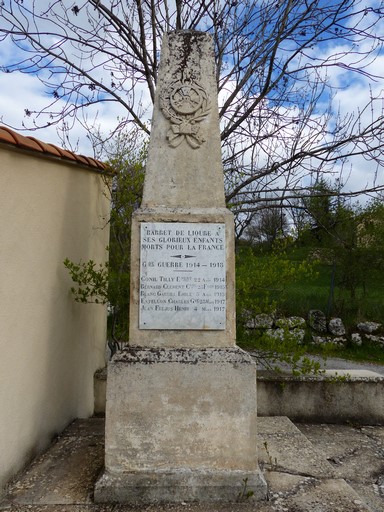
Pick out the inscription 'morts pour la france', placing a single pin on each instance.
(182, 276)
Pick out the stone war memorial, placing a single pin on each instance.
(181, 397)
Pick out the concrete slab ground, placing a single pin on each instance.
(309, 468)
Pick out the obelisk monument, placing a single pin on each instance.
(181, 397)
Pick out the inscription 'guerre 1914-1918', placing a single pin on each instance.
(182, 276)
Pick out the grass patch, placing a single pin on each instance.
(280, 282)
(318, 292)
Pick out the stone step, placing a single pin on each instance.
(298, 472)
(302, 476)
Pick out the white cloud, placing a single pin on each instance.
(20, 91)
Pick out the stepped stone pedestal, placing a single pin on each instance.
(181, 397)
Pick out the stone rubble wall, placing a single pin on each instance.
(321, 330)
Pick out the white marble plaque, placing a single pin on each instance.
(182, 276)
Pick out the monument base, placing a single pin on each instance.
(178, 486)
(181, 426)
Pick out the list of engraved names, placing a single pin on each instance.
(182, 276)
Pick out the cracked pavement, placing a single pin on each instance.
(309, 468)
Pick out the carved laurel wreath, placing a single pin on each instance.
(185, 104)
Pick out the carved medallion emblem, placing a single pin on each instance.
(185, 104)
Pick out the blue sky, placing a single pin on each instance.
(21, 91)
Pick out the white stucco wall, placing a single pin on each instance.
(50, 345)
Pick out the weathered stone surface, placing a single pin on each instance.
(368, 327)
(179, 426)
(351, 451)
(286, 450)
(182, 276)
(356, 454)
(336, 327)
(291, 322)
(181, 486)
(184, 184)
(177, 337)
(357, 397)
(360, 488)
(67, 472)
(276, 334)
(323, 340)
(261, 321)
(281, 334)
(358, 403)
(190, 406)
(276, 425)
(286, 484)
(379, 340)
(185, 430)
(317, 320)
(356, 339)
(184, 167)
(298, 335)
(327, 496)
(300, 493)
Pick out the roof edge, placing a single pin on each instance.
(9, 136)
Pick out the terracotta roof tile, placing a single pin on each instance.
(82, 159)
(92, 161)
(9, 136)
(63, 152)
(47, 148)
(6, 135)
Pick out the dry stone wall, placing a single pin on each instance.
(316, 329)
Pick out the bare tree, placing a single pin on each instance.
(268, 225)
(280, 68)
